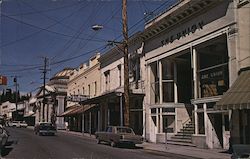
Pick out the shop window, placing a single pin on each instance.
(213, 68)
(154, 86)
(201, 127)
(168, 92)
(168, 110)
(168, 81)
(226, 120)
(210, 105)
(153, 111)
(168, 123)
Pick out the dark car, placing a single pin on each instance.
(45, 128)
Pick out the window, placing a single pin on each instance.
(168, 81)
(95, 85)
(107, 80)
(119, 75)
(165, 93)
(226, 120)
(83, 91)
(168, 123)
(89, 89)
(154, 86)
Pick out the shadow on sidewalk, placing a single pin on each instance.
(7, 149)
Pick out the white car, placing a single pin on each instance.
(23, 124)
(15, 124)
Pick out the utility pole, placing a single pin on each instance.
(44, 82)
(16, 98)
(15, 82)
(126, 69)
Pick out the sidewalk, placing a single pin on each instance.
(174, 149)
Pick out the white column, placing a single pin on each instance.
(175, 84)
(194, 59)
(160, 82)
(205, 117)
(196, 119)
(161, 128)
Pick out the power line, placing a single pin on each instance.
(41, 29)
(47, 10)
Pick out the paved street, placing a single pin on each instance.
(24, 144)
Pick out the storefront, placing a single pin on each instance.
(190, 60)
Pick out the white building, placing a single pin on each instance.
(193, 53)
(6, 109)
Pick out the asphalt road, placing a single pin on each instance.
(24, 144)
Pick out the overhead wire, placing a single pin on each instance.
(40, 29)
(70, 42)
(47, 10)
(74, 57)
(105, 22)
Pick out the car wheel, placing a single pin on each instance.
(113, 144)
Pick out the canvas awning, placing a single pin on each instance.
(68, 112)
(76, 110)
(238, 96)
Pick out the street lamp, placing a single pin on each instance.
(97, 27)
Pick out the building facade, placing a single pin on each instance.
(55, 93)
(84, 83)
(192, 58)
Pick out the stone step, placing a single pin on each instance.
(181, 137)
(183, 134)
(171, 142)
(181, 140)
(187, 129)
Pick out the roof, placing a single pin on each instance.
(238, 95)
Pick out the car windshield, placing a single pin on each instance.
(124, 130)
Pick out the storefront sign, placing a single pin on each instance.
(214, 82)
(183, 33)
(77, 98)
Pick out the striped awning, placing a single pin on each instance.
(238, 96)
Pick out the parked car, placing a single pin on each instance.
(45, 128)
(118, 134)
(241, 151)
(23, 124)
(4, 135)
(15, 124)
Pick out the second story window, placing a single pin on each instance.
(107, 80)
(95, 88)
(89, 89)
(119, 75)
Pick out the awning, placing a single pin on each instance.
(68, 112)
(238, 96)
(76, 110)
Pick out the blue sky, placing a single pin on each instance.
(61, 30)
